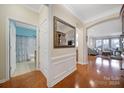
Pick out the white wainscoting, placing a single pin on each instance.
(82, 63)
(62, 66)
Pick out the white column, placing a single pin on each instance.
(82, 46)
(85, 47)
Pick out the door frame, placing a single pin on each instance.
(8, 63)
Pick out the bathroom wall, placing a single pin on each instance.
(21, 31)
(25, 44)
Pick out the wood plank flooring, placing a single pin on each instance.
(98, 73)
(34, 79)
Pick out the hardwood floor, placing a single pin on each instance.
(98, 73)
(34, 79)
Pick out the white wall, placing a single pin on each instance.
(44, 56)
(80, 46)
(12, 47)
(91, 42)
(17, 12)
(63, 60)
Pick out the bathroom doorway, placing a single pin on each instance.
(23, 48)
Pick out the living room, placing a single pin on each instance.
(104, 40)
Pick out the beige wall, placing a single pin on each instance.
(17, 12)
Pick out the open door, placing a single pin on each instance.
(12, 47)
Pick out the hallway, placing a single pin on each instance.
(98, 73)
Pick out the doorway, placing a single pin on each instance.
(105, 41)
(23, 48)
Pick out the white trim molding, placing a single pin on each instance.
(101, 20)
(67, 55)
(3, 80)
(7, 35)
(82, 63)
(62, 66)
(59, 59)
(61, 76)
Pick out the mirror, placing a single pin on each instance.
(64, 34)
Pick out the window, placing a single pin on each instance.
(111, 43)
(122, 40)
(115, 43)
(106, 44)
(99, 44)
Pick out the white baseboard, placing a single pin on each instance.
(3, 80)
(43, 72)
(83, 63)
(61, 76)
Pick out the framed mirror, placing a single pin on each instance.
(64, 34)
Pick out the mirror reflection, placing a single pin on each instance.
(64, 34)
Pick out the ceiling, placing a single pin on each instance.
(33, 7)
(89, 11)
(108, 28)
(84, 12)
